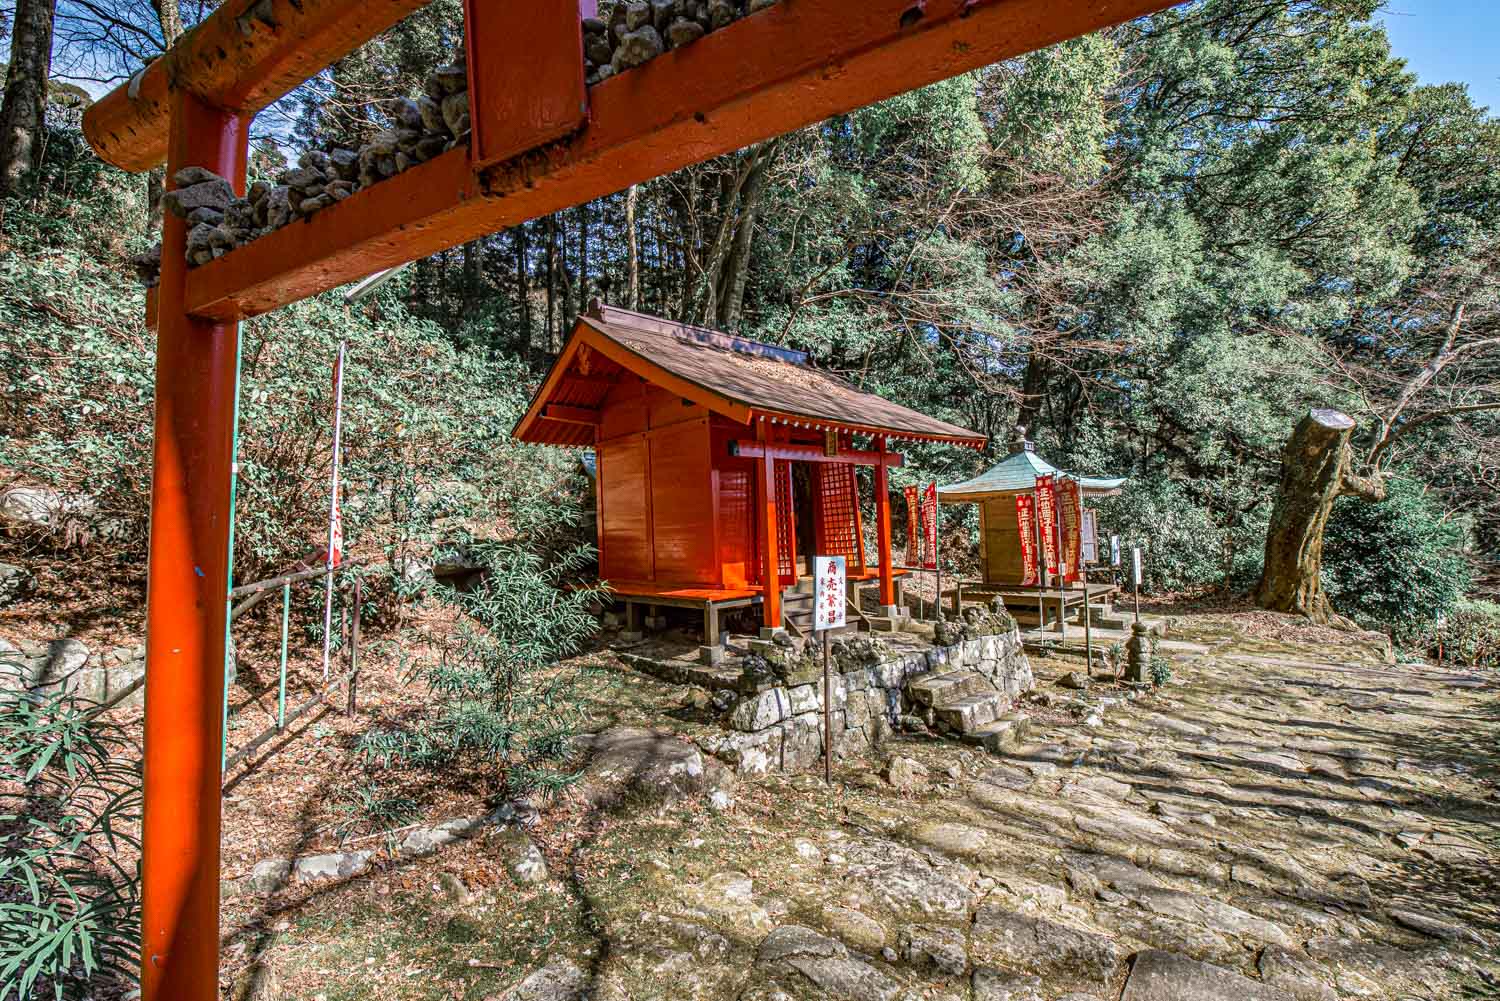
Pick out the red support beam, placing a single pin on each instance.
(782, 68)
(187, 589)
(241, 58)
(883, 532)
(813, 453)
(770, 563)
(518, 104)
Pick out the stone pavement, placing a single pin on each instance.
(1284, 821)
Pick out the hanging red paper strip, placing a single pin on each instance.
(913, 546)
(1071, 502)
(1026, 525)
(929, 527)
(1046, 509)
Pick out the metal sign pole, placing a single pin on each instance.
(1088, 624)
(333, 506)
(827, 716)
(937, 554)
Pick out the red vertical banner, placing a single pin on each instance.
(1026, 525)
(1046, 511)
(913, 529)
(1071, 502)
(929, 527)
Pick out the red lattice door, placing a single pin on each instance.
(837, 516)
(786, 536)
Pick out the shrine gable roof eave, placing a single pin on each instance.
(745, 381)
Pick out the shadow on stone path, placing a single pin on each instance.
(1283, 821)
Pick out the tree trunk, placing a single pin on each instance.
(169, 16)
(736, 269)
(632, 249)
(553, 344)
(24, 107)
(523, 287)
(1317, 468)
(583, 257)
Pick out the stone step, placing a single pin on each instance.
(1000, 734)
(969, 713)
(936, 689)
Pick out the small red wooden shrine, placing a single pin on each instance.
(696, 434)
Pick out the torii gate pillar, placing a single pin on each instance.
(186, 591)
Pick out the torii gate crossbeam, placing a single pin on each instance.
(542, 142)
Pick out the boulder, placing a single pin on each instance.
(905, 774)
(637, 47)
(651, 767)
(336, 865)
(1030, 944)
(268, 876)
(213, 194)
(427, 840)
(855, 928)
(456, 112)
(186, 177)
(560, 980)
(825, 963)
(42, 507)
(1165, 976)
(448, 80)
(15, 583)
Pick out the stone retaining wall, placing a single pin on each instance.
(781, 727)
(69, 665)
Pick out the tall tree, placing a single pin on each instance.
(24, 106)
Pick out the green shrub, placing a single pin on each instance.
(1181, 545)
(494, 707)
(69, 806)
(1470, 635)
(1395, 564)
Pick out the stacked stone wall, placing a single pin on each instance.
(780, 727)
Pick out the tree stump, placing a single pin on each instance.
(1317, 468)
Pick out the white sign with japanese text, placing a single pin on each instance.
(828, 592)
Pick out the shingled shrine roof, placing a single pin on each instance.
(742, 379)
(1017, 473)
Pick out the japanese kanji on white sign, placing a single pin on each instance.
(828, 592)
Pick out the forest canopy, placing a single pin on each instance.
(1155, 247)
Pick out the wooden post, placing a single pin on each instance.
(883, 531)
(771, 578)
(354, 650)
(187, 591)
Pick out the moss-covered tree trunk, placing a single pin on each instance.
(1317, 468)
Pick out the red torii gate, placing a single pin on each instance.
(541, 142)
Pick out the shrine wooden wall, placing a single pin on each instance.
(657, 516)
(1001, 549)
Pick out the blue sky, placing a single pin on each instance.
(1450, 40)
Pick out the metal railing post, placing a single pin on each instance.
(286, 613)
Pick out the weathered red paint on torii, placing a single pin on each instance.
(781, 68)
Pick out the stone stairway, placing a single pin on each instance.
(965, 704)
